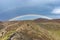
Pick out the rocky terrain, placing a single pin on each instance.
(39, 29)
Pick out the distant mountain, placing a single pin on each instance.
(46, 20)
(41, 20)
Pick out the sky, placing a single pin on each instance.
(13, 8)
(29, 17)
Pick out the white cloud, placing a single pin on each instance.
(56, 11)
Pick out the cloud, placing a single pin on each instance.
(8, 4)
(56, 10)
(14, 8)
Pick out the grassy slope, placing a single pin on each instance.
(35, 31)
(39, 32)
(54, 28)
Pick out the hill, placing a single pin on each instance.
(51, 25)
(38, 29)
(24, 30)
(47, 20)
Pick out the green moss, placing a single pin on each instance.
(7, 35)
